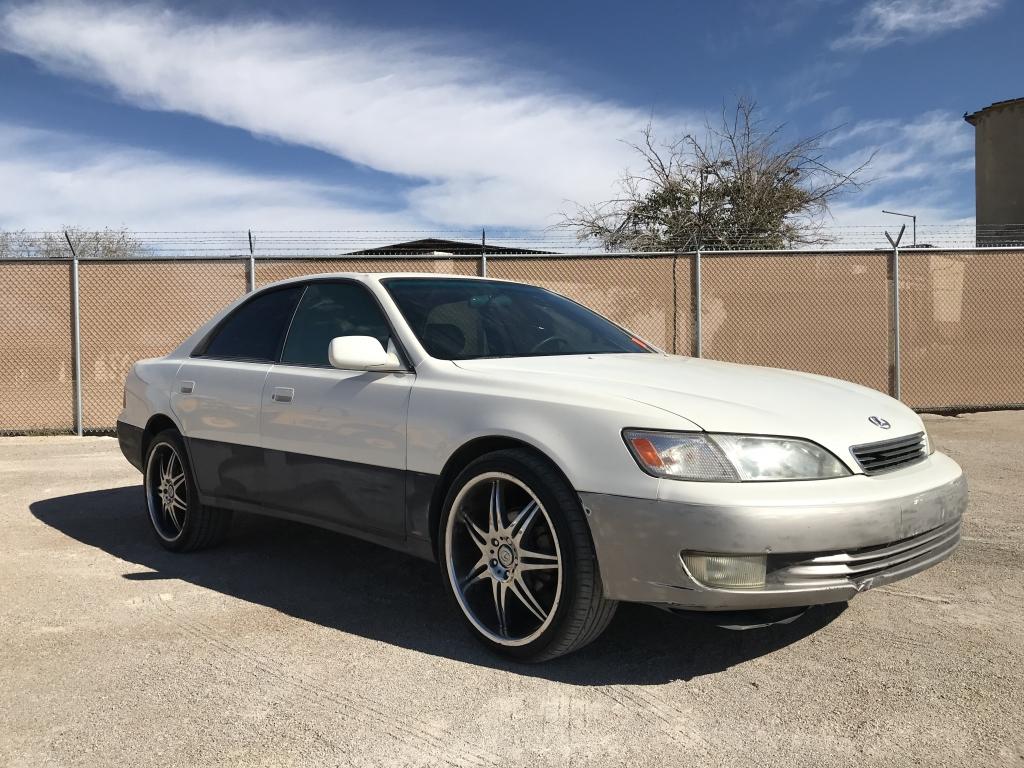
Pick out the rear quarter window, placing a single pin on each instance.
(254, 331)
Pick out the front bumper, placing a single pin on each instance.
(826, 540)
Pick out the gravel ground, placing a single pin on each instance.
(292, 646)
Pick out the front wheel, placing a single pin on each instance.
(518, 559)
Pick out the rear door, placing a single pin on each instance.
(335, 441)
(216, 394)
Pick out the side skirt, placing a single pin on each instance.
(384, 505)
(412, 545)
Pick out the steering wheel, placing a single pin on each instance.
(549, 340)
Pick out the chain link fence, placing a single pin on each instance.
(822, 313)
(959, 325)
(962, 329)
(36, 374)
(132, 310)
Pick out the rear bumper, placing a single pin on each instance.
(824, 543)
(129, 437)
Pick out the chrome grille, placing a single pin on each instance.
(859, 565)
(887, 455)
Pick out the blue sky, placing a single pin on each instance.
(410, 115)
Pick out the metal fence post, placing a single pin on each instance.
(675, 304)
(894, 312)
(251, 277)
(895, 383)
(483, 253)
(698, 328)
(76, 338)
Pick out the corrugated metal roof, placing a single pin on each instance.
(429, 245)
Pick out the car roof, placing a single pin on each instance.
(372, 277)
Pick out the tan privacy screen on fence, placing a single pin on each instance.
(961, 318)
(962, 328)
(138, 309)
(825, 314)
(35, 347)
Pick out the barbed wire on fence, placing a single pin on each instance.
(120, 244)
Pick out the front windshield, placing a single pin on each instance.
(467, 319)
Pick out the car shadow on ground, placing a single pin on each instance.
(353, 586)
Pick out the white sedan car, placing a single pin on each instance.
(552, 462)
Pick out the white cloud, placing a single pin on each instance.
(882, 22)
(929, 217)
(924, 167)
(485, 144)
(931, 147)
(491, 145)
(54, 179)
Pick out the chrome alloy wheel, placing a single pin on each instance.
(166, 491)
(503, 559)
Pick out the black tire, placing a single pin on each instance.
(578, 612)
(183, 525)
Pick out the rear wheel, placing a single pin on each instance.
(518, 559)
(180, 522)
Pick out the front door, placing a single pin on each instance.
(335, 441)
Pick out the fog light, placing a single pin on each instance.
(732, 571)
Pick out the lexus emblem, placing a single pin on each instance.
(879, 422)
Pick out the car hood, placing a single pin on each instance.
(724, 397)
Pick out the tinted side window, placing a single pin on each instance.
(254, 330)
(328, 310)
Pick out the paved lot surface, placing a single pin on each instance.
(291, 646)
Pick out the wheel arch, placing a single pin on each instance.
(157, 423)
(461, 458)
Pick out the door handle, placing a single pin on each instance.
(187, 387)
(282, 394)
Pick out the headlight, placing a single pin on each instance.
(731, 458)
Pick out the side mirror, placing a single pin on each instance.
(361, 353)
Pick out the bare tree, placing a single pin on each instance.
(105, 244)
(741, 186)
